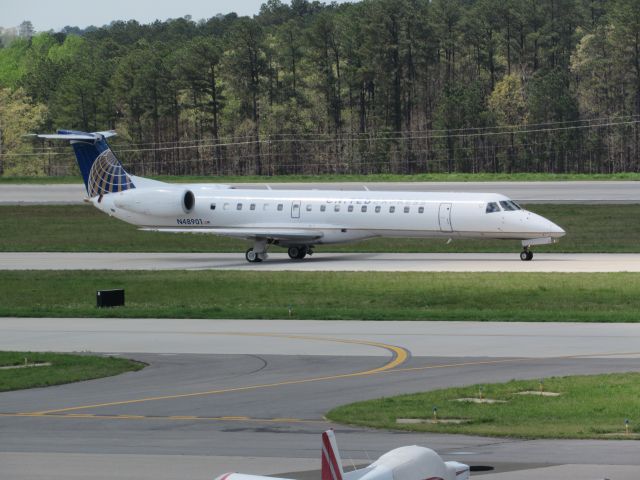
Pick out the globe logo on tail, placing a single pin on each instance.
(107, 176)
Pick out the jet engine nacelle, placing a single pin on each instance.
(161, 202)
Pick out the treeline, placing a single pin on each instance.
(397, 86)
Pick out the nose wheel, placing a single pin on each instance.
(252, 256)
(526, 255)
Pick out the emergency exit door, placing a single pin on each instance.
(295, 210)
(444, 217)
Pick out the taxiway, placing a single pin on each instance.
(328, 262)
(204, 400)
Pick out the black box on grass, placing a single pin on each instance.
(110, 298)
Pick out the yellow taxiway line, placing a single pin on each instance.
(399, 356)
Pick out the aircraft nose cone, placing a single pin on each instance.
(545, 226)
(553, 229)
(556, 230)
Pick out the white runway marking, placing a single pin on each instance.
(330, 262)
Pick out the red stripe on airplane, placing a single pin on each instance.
(337, 472)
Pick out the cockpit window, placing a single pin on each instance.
(508, 205)
(492, 207)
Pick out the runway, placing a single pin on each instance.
(525, 192)
(327, 262)
(215, 390)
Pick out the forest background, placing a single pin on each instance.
(377, 86)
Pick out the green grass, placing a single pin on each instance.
(419, 177)
(65, 368)
(602, 297)
(82, 228)
(589, 407)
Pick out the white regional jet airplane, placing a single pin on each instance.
(296, 219)
(404, 463)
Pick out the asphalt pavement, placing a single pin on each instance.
(269, 402)
(525, 192)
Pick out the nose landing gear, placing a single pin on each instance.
(526, 255)
(259, 251)
(253, 257)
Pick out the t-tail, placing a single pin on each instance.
(101, 171)
(331, 461)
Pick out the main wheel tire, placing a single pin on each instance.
(529, 256)
(302, 253)
(524, 256)
(252, 256)
(293, 253)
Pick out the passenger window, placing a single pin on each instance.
(378, 208)
(492, 207)
(420, 209)
(350, 208)
(213, 206)
(280, 207)
(309, 208)
(363, 209)
(406, 209)
(336, 208)
(392, 209)
(252, 206)
(239, 206)
(323, 208)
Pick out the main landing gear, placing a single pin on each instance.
(298, 253)
(526, 255)
(258, 252)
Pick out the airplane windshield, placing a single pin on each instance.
(492, 207)
(508, 205)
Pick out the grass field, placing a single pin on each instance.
(64, 368)
(419, 177)
(82, 228)
(588, 407)
(327, 295)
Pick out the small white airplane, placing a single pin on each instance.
(296, 219)
(404, 463)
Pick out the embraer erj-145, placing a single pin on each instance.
(405, 463)
(296, 219)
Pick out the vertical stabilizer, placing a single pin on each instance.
(331, 461)
(101, 171)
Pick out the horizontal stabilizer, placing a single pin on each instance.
(72, 135)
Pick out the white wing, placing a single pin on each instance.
(297, 235)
